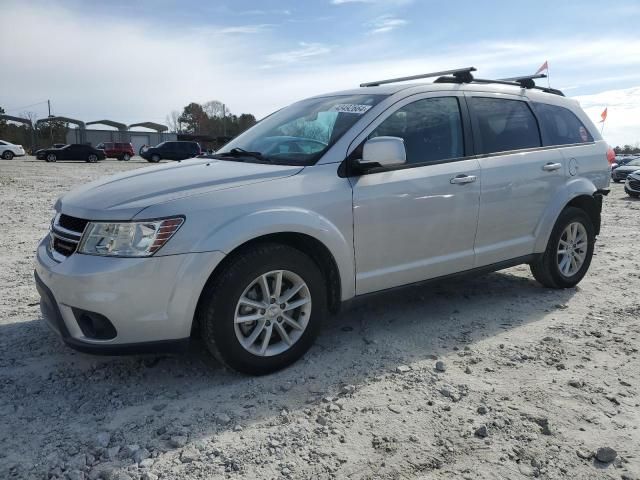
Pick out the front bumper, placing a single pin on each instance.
(150, 301)
(632, 184)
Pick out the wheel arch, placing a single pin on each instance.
(580, 193)
(309, 245)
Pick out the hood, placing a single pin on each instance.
(121, 196)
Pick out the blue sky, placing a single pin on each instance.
(138, 60)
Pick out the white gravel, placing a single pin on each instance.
(533, 382)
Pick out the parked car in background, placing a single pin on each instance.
(621, 160)
(74, 151)
(178, 150)
(10, 150)
(632, 184)
(120, 150)
(619, 174)
(394, 187)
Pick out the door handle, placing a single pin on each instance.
(550, 167)
(462, 179)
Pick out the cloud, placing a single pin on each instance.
(623, 115)
(246, 29)
(305, 52)
(385, 24)
(342, 2)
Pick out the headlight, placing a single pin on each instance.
(128, 239)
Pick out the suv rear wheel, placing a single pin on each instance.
(569, 251)
(126, 157)
(264, 310)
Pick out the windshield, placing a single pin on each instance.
(635, 162)
(300, 133)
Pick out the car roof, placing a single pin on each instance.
(425, 87)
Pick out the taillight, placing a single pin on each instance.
(611, 156)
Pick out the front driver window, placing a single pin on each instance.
(431, 129)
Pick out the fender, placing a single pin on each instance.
(228, 236)
(572, 189)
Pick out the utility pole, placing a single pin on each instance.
(50, 127)
(224, 120)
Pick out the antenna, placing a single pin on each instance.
(462, 74)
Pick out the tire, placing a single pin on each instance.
(92, 158)
(547, 268)
(615, 180)
(51, 157)
(7, 155)
(155, 158)
(126, 157)
(220, 305)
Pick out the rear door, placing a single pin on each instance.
(417, 221)
(562, 128)
(519, 177)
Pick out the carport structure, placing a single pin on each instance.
(81, 125)
(24, 121)
(158, 127)
(110, 123)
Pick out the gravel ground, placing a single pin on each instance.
(492, 377)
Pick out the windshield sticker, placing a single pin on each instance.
(351, 108)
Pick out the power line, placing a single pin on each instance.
(26, 106)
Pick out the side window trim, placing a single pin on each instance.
(468, 144)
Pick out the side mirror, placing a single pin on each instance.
(614, 166)
(383, 152)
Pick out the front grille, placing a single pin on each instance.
(66, 232)
(72, 223)
(64, 247)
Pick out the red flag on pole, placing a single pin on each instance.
(544, 67)
(603, 115)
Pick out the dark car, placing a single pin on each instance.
(620, 173)
(171, 151)
(74, 151)
(120, 150)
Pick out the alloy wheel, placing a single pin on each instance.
(572, 249)
(272, 313)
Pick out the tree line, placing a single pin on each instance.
(22, 134)
(212, 119)
(627, 149)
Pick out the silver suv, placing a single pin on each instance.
(337, 196)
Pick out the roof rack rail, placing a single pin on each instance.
(519, 84)
(525, 81)
(462, 75)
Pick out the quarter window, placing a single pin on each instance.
(431, 129)
(504, 125)
(560, 126)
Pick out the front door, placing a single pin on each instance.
(417, 221)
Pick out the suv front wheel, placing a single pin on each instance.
(264, 310)
(569, 251)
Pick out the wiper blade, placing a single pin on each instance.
(241, 152)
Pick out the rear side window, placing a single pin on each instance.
(560, 126)
(504, 125)
(431, 129)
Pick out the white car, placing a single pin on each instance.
(9, 150)
(334, 197)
